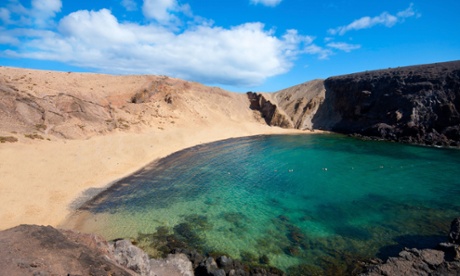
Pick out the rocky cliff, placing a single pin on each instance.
(415, 104)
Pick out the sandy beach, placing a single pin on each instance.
(43, 180)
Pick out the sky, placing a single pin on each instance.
(239, 45)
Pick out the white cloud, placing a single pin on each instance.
(321, 52)
(269, 3)
(47, 6)
(8, 37)
(43, 10)
(346, 47)
(243, 55)
(386, 19)
(165, 11)
(129, 5)
(409, 12)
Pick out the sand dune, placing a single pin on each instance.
(77, 133)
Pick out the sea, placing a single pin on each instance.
(306, 204)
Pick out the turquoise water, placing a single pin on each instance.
(306, 203)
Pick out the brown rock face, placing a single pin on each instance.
(301, 102)
(268, 111)
(40, 250)
(44, 250)
(416, 104)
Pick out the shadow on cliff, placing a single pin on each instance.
(326, 117)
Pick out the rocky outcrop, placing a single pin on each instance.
(269, 111)
(444, 260)
(223, 265)
(40, 250)
(44, 250)
(417, 262)
(301, 102)
(135, 259)
(415, 104)
(292, 107)
(454, 234)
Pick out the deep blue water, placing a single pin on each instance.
(307, 202)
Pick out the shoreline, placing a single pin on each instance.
(44, 181)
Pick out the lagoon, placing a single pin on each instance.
(315, 203)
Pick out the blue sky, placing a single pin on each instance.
(239, 45)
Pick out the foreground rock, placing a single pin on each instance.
(223, 265)
(445, 260)
(44, 250)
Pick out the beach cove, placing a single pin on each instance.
(75, 134)
(66, 137)
(43, 181)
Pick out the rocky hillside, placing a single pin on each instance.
(415, 104)
(49, 105)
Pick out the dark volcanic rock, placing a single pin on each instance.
(416, 104)
(454, 234)
(410, 262)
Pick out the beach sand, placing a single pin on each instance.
(43, 180)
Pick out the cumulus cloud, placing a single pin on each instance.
(346, 47)
(386, 19)
(269, 3)
(243, 55)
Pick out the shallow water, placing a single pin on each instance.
(312, 203)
